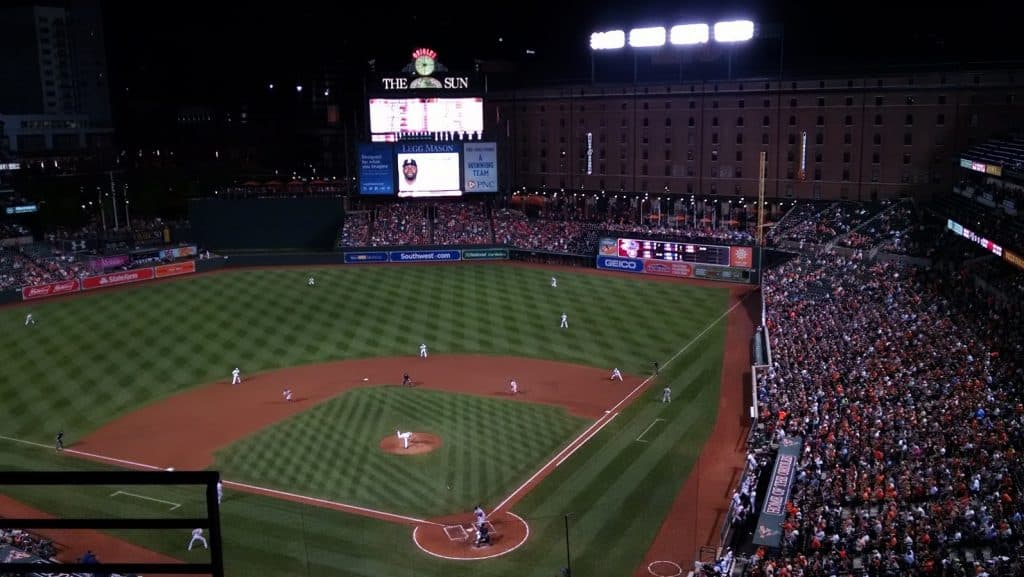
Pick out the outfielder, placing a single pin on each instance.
(59, 446)
(616, 374)
(666, 395)
(423, 351)
(554, 282)
(197, 535)
(311, 281)
(29, 320)
(236, 376)
(405, 437)
(514, 386)
(565, 321)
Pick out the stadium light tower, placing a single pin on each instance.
(729, 32)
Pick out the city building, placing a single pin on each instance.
(58, 109)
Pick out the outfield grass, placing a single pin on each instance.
(90, 359)
(489, 446)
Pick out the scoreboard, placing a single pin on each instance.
(392, 117)
(674, 251)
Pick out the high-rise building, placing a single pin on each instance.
(55, 105)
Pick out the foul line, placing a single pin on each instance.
(640, 438)
(354, 509)
(610, 414)
(175, 505)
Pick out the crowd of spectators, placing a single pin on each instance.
(401, 224)
(12, 230)
(462, 223)
(819, 224)
(356, 229)
(28, 543)
(905, 386)
(36, 264)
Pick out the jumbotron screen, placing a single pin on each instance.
(673, 251)
(391, 117)
(428, 174)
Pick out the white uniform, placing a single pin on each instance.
(236, 376)
(565, 321)
(616, 374)
(423, 350)
(197, 535)
(554, 282)
(287, 394)
(29, 320)
(311, 281)
(481, 517)
(220, 491)
(514, 386)
(666, 395)
(405, 438)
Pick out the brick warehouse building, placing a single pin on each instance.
(867, 138)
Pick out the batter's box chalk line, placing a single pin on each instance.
(456, 532)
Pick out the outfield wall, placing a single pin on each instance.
(266, 223)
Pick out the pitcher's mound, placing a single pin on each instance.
(419, 443)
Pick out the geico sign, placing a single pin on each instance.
(623, 264)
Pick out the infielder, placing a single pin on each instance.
(554, 282)
(565, 321)
(236, 376)
(29, 320)
(423, 351)
(666, 395)
(514, 386)
(197, 535)
(406, 381)
(616, 374)
(405, 437)
(287, 394)
(311, 281)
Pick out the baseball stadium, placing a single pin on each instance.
(462, 360)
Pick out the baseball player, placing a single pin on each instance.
(616, 374)
(554, 282)
(236, 376)
(311, 281)
(29, 320)
(406, 381)
(220, 492)
(423, 351)
(481, 516)
(565, 321)
(405, 437)
(197, 535)
(59, 446)
(666, 395)
(287, 394)
(656, 368)
(514, 386)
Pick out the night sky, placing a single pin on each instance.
(188, 52)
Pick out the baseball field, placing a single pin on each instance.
(141, 378)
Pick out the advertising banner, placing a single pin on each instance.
(741, 256)
(175, 269)
(773, 512)
(721, 273)
(118, 278)
(1014, 259)
(480, 167)
(424, 255)
(485, 254)
(51, 289)
(620, 264)
(179, 252)
(660, 267)
(361, 257)
(376, 169)
(102, 263)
